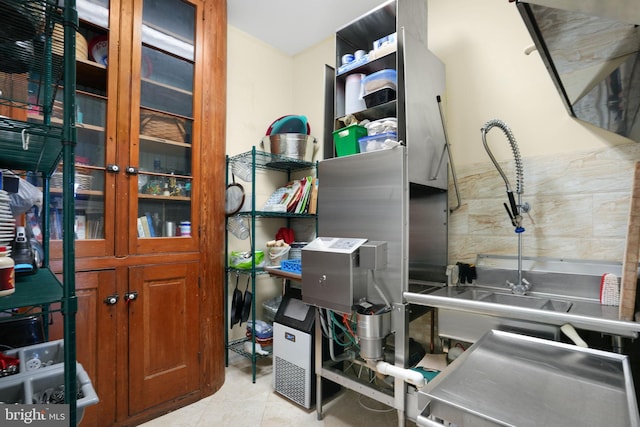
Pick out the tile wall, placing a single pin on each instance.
(579, 206)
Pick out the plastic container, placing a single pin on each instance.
(35, 387)
(296, 250)
(377, 127)
(270, 308)
(378, 142)
(353, 101)
(7, 273)
(292, 266)
(38, 356)
(387, 78)
(379, 97)
(346, 139)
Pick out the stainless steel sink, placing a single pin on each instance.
(527, 301)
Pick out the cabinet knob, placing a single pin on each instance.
(111, 299)
(113, 168)
(132, 170)
(130, 296)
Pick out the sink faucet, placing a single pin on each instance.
(514, 209)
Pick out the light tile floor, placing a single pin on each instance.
(240, 403)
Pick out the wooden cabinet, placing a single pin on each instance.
(150, 289)
(163, 334)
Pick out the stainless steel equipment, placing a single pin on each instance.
(394, 199)
(293, 371)
(338, 287)
(591, 49)
(542, 383)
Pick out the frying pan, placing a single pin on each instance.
(236, 304)
(246, 303)
(233, 197)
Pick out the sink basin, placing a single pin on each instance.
(556, 305)
(525, 301)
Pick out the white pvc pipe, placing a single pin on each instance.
(408, 375)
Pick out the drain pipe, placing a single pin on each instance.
(408, 375)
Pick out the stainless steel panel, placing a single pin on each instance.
(366, 196)
(332, 280)
(470, 327)
(592, 51)
(421, 78)
(428, 237)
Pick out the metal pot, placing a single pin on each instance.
(292, 145)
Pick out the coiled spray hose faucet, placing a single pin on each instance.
(514, 209)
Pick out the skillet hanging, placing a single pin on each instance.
(233, 197)
(246, 302)
(236, 304)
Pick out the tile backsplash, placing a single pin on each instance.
(579, 206)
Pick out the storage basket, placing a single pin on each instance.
(163, 126)
(346, 139)
(57, 46)
(291, 266)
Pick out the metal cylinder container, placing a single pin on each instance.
(373, 328)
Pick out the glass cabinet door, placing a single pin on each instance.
(93, 224)
(166, 120)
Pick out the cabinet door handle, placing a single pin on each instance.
(111, 299)
(113, 168)
(131, 170)
(130, 296)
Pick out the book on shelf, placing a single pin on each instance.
(152, 231)
(313, 198)
(95, 226)
(142, 220)
(80, 227)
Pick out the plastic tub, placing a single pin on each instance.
(33, 387)
(377, 142)
(39, 356)
(379, 97)
(346, 139)
(387, 78)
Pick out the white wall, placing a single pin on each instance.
(577, 177)
(481, 43)
(259, 89)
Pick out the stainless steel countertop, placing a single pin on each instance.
(583, 314)
(507, 379)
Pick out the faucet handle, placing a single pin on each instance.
(511, 217)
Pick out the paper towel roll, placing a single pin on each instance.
(353, 100)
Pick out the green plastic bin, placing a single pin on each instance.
(346, 139)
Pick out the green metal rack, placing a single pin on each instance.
(37, 146)
(259, 160)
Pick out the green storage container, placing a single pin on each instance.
(346, 139)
